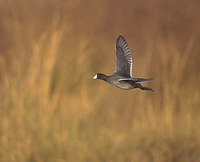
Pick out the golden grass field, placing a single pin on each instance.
(52, 111)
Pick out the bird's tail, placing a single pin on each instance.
(140, 80)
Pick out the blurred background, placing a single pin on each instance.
(51, 109)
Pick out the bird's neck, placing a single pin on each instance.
(102, 77)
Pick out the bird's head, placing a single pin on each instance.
(100, 76)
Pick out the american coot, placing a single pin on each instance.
(122, 78)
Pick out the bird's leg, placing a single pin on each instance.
(144, 88)
(147, 88)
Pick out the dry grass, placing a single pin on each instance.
(51, 109)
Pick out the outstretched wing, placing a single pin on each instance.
(137, 80)
(124, 58)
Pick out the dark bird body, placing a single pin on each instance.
(122, 78)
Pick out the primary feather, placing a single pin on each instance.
(124, 58)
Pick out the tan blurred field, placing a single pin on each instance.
(52, 111)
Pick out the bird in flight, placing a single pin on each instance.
(122, 78)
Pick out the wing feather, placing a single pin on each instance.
(124, 58)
